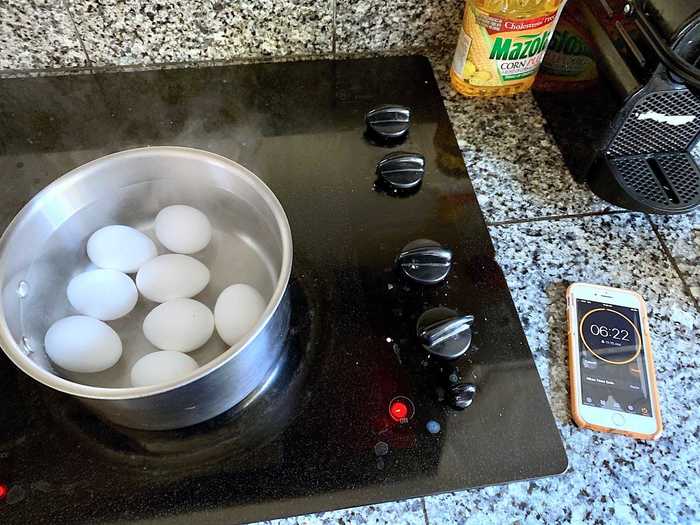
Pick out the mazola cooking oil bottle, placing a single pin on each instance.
(501, 45)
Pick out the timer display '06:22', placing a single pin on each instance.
(613, 333)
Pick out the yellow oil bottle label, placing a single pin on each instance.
(497, 51)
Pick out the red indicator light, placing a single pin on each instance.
(3, 491)
(398, 411)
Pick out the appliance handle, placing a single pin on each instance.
(671, 60)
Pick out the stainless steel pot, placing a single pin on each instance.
(44, 247)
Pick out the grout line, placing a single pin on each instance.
(333, 34)
(667, 252)
(558, 217)
(195, 64)
(65, 4)
(425, 511)
(44, 72)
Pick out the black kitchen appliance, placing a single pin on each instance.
(407, 371)
(627, 126)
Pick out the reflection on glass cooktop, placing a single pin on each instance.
(320, 435)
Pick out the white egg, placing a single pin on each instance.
(172, 276)
(102, 294)
(236, 312)
(82, 344)
(120, 248)
(183, 229)
(181, 324)
(161, 367)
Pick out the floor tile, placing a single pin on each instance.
(515, 166)
(38, 34)
(135, 32)
(681, 233)
(409, 512)
(371, 25)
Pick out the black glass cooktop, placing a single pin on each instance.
(321, 435)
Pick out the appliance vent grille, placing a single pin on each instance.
(638, 177)
(685, 180)
(637, 136)
(675, 184)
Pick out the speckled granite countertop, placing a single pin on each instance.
(548, 232)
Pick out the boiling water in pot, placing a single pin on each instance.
(237, 253)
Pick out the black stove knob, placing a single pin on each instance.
(388, 123)
(425, 261)
(461, 395)
(445, 333)
(401, 171)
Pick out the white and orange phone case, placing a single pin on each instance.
(574, 376)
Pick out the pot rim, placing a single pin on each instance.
(22, 360)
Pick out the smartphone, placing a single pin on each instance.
(611, 367)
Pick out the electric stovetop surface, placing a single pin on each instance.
(320, 435)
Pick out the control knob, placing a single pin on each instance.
(388, 123)
(448, 335)
(425, 261)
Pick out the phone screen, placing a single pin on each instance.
(612, 358)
